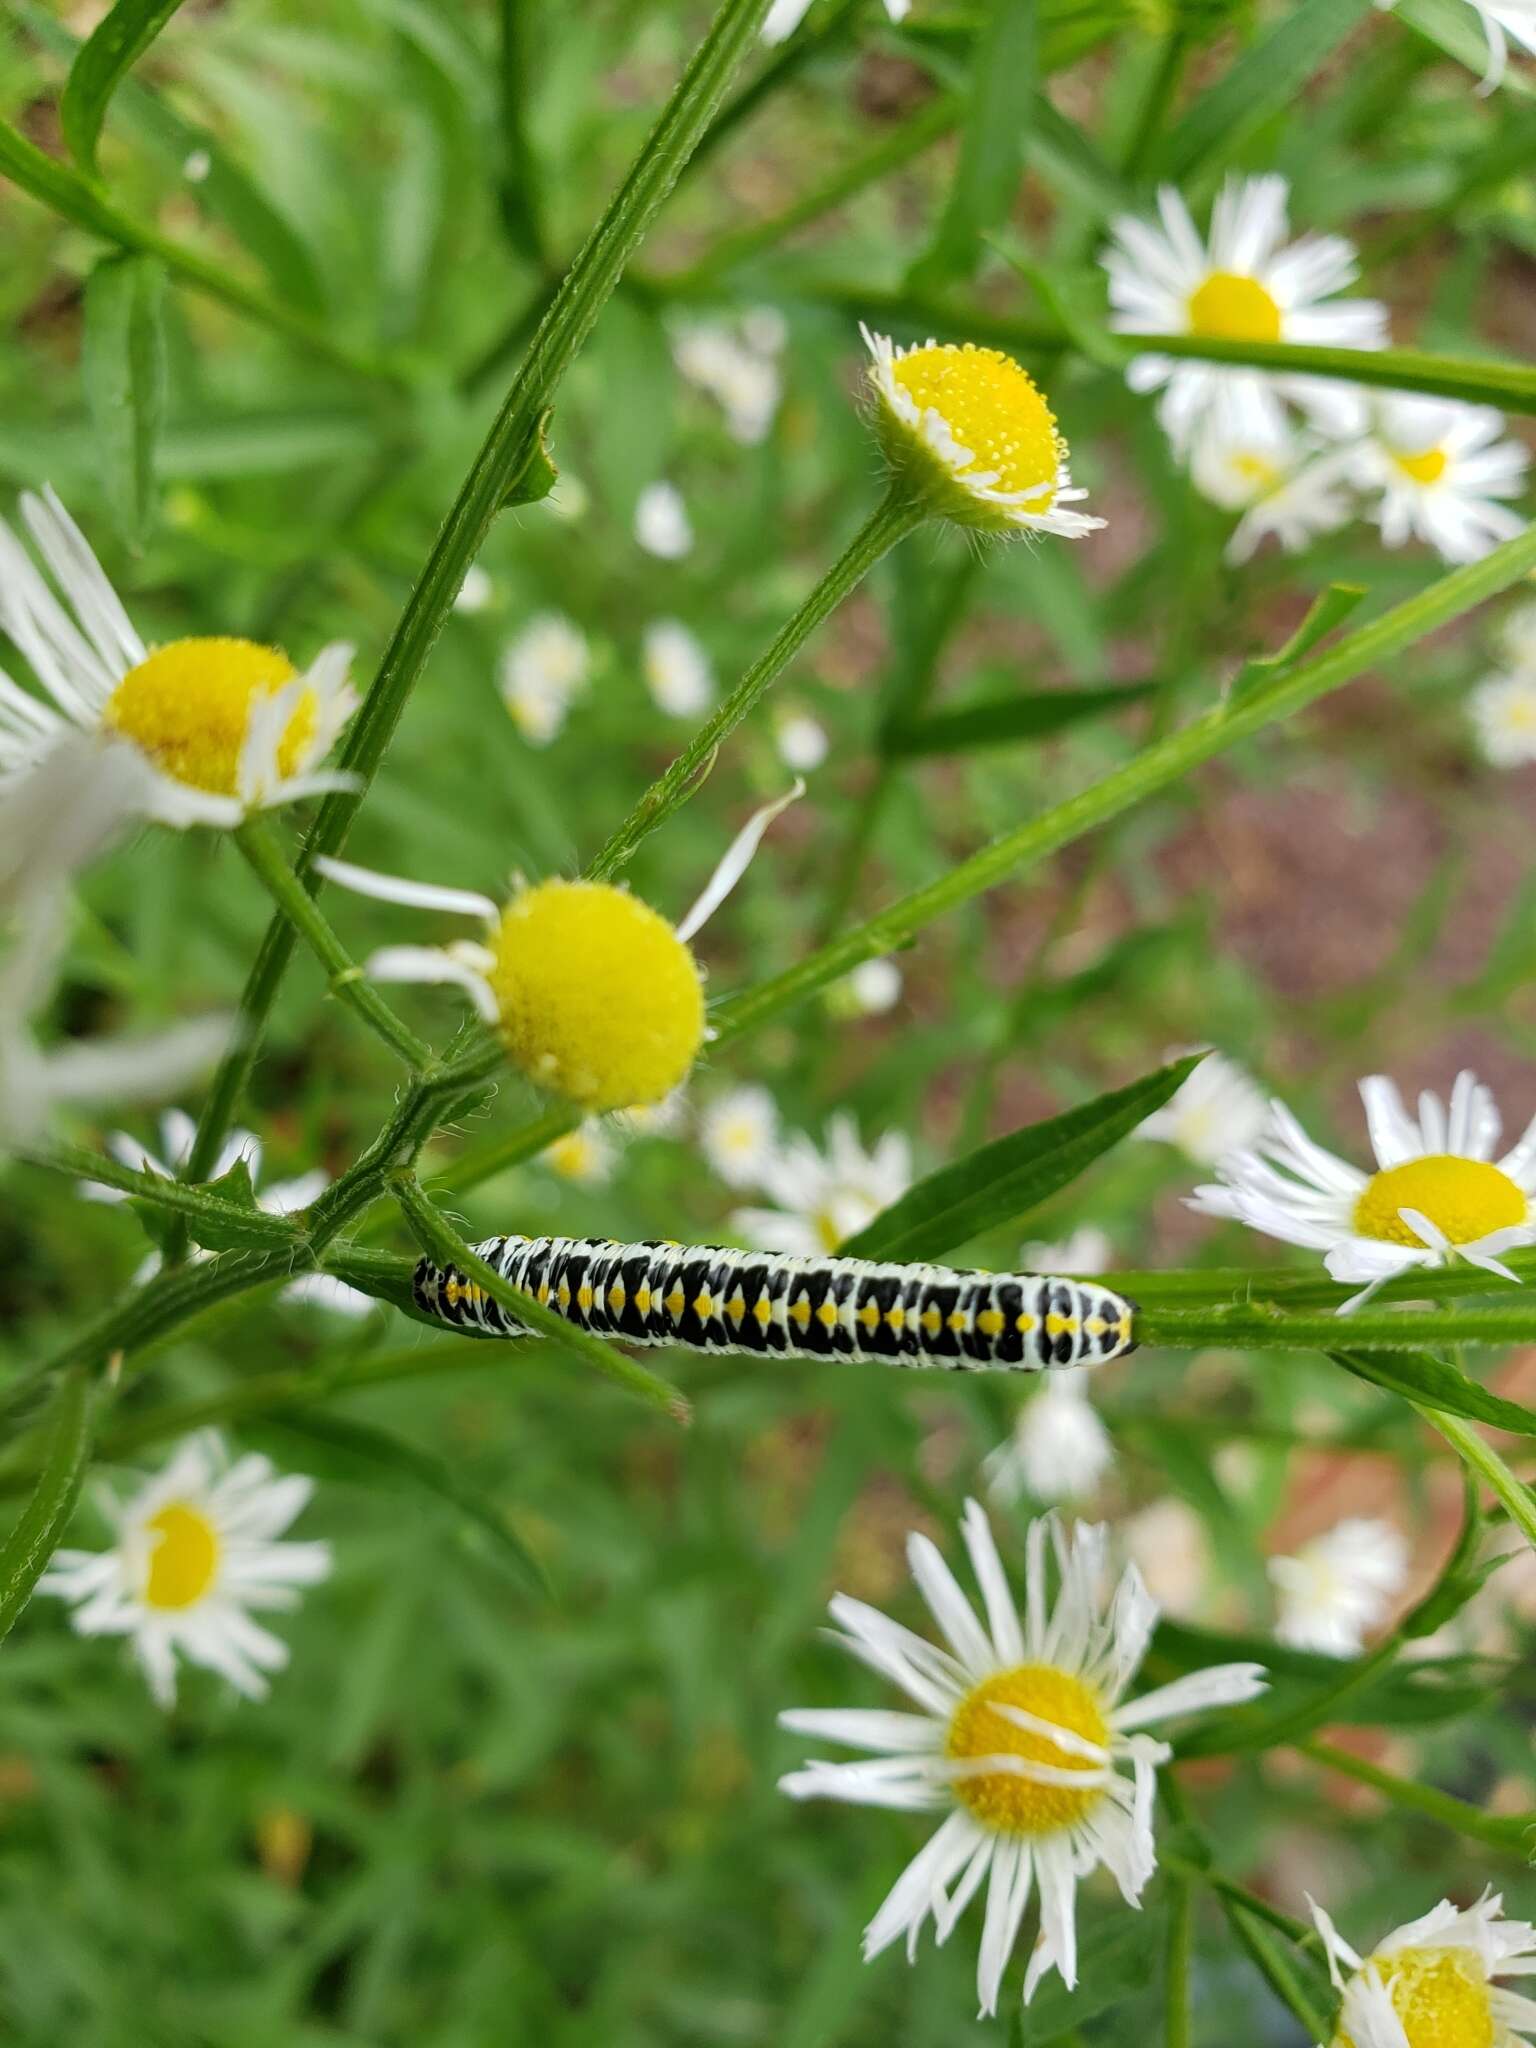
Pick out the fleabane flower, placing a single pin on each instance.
(1279, 482)
(969, 435)
(677, 670)
(194, 1554)
(1500, 20)
(1219, 1109)
(1503, 712)
(785, 16)
(1434, 1982)
(594, 995)
(197, 732)
(178, 1134)
(802, 742)
(738, 1135)
(1438, 471)
(737, 365)
(1023, 1740)
(662, 525)
(1339, 1585)
(586, 1155)
(1244, 282)
(825, 1196)
(1437, 1195)
(543, 670)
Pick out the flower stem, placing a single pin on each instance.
(224, 1220)
(1479, 1456)
(1511, 1832)
(895, 517)
(294, 901)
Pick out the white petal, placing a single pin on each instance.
(1007, 1895)
(1221, 1685)
(1002, 1616)
(737, 859)
(865, 1728)
(400, 889)
(433, 964)
(949, 1606)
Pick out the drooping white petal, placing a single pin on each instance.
(735, 862)
(401, 889)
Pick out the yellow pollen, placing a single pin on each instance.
(993, 408)
(1426, 467)
(187, 707)
(1231, 307)
(598, 997)
(1018, 1805)
(1441, 1997)
(826, 1227)
(1466, 1198)
(183, 1563)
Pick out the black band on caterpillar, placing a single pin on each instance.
(711, 1298)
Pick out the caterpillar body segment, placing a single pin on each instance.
(713, 1298)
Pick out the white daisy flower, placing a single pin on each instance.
(662, 525)
(1439, 470)
(824, 1198)
(195, 1553)
(1276, 479)
(1500, 20)
(873, 987)
(973, 437)
(738, 1134)
(593, 994)
(662, 1119)
(1433, 1983)
(36, 1079)
(1023, 1741)
(1245, 283)
(198, 732)
(1219, 1109)
(803, 743)
(1059, 1449)
(543, 670)
(1437, 1194)
(785, 16)
(1503, 711)
(1339, 1585)
(178, 1134)
(677, 670)
(586, 1155)
(738, 370)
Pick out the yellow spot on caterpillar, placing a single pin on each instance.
(543, 1292)
(931, 1321)
(827, 1313)
(616, 1295)
(675, 1302)
(1024, 1324)
(896, 1317)
(958, 1319)
(869, 1315)
(736, 1307)
(564, 1296)
(990, 1322)
(801, 1311)
(643, 1299)
(764, 1310)
(584, 1297)
(1056, 1325)
(703, 1306)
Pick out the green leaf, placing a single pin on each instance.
(338, 1448)
(1264, 81)
(1003, 1180)
(1001, 721)
(1116, 1959)
(1463, 1574)
(992, 141)
(1331, 609)
(35, 1535)
(1420, 1376)
(123, 361)
(114, 46)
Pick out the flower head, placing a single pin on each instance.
(585, 1155)
(824, 1197)
(738, 1134)
(1023, 1741)
(969, 434)
(1438, 471)
(198, 732)
(194, 1552)
(1434, 1982)
(1438, 1193)
(1339, 1585)
(677, 670)
(803, 744)
(737, 365)
(543, 671)
(662, 525)
(1219, 1109)
(1245, 282)
(1274, 477)
(1503, 709)
(1058, 1450)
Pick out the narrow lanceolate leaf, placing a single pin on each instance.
(991, 141)
(1264, 81)
(1420, 1376)
(36, 1535)
(1330, 610)
(124, 373)
(1003, 1180)
(1002, 721)
(336, 1447)
(117, 43)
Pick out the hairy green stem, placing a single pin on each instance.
(1512, 1832)
(220, 1218)
(1479, 1456)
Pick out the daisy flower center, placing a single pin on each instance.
(1231, 307)
(1441, 1997)
(187, 706)
(1426, 467)
(575, 1156)
(599, 999)
(184, 1561)
(1257, 470)
(1466, 1198)
(994, 409)
(1013, 1803)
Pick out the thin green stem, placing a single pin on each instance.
(1178, 1946)
(1479, 1456)
(1275, 1968)
(348, 983)
(510, 450)
(1513, 1832)
(894, 518)
(442, 1243)
(221, 1220)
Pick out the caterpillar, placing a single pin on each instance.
(711, 1298)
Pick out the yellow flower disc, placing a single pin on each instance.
(187, 707)
(183, 1563)
(1020, 1805)
(1231, 307)
(1467, 1198)
(600, 1000)
(993, 408)
(1440, 1995)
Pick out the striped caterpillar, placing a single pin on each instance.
(710, 1298)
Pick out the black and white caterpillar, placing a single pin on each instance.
(710, 1298)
